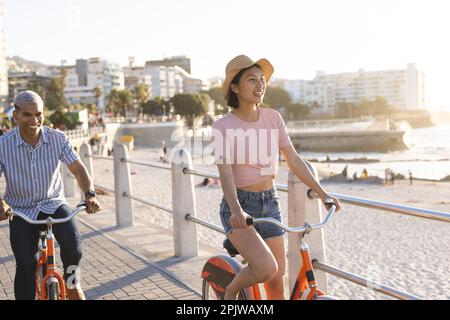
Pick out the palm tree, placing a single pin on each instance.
(98, 92)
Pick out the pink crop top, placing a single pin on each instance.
(252, 148)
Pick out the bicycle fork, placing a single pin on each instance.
(306, 277)
(51, 277)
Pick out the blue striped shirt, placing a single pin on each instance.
(33, 179)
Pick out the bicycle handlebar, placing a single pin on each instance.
(307, 228)
(80, 207)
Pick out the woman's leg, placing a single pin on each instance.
(275, 286)
(261, 267)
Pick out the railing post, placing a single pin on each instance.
(86, 158)
(122, 186)
(302, 209)
(68, 181)
(183, 201)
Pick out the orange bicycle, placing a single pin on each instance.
(50, 285)
(220, 270)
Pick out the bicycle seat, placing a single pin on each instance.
(232, 251)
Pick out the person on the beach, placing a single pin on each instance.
(30, 156)
(247, 142)
(163, 152)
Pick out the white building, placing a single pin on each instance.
(86, 75)
(404, 89)
(135, 76)
(3, 65)
(165, 81)
(190, 84)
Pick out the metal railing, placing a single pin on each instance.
(146, 164)
(389, 207)
(207, 174)
(385, 206)
(363, 282)
(205, 223)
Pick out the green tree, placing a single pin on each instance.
(119, 101)
(381, 106)
(54, 92)
(190, 106)
(61, 120)
(113, 102)
(216, 94)
(125, 101)
(297, 111)
(98, 92)
(141, 93)
(276, 97)
(154, 107)
(345, 110)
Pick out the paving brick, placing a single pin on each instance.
(108, 272)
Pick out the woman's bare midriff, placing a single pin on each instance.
(260, 186)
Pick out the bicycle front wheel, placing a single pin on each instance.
(53, 290)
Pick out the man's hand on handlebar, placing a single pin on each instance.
(5, 210)
(92, 205)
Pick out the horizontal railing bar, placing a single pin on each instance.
(99, 157)
(281, 187)
(390, 207)
(206, 174)
(147, 163)
(104, 188)
(363, 282)
(149, 203)
(201, 173)
(205, 223)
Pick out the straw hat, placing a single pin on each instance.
(241, 62)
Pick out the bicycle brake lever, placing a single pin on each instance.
(81, 204)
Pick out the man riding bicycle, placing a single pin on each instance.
(30, 157)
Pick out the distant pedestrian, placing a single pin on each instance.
(410, 177)
(163, 154)
(345, 172)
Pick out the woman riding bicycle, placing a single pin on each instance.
(247, 144)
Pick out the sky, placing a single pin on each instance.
(299, 37)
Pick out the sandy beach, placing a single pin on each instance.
(407, 253)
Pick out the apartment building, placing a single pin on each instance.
(405, 89)
(88, 74)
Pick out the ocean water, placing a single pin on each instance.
(428, 155)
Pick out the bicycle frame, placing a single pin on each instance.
(47, 256)
(305, 279)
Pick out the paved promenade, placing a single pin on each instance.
(111, 269)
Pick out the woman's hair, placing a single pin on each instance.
(233, 100)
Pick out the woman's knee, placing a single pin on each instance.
(266, 270)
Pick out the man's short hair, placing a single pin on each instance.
(28, 97)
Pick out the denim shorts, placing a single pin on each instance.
(264, 204)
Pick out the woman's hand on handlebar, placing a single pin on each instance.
(239, 220)
(328, 201)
